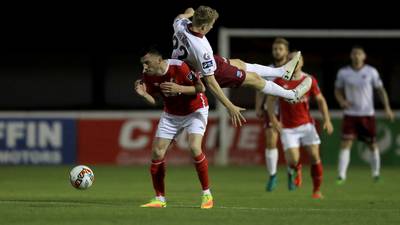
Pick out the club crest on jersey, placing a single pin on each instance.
(206, 56)
(239, 74)
(191, 76)
(207, 64)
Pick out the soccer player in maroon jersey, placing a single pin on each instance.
(185, 108)
(354, 92)
(296, 127)
(191, 45)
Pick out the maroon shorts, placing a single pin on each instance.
(361, 127)
(226, 75)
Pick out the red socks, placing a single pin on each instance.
(316, 174)
(201, 165)
(157, 170)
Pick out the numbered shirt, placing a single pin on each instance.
(193, 48)
(294, 115)
(178, 104)
(358, 89)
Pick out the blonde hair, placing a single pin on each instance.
(282, 41)
(204, 15)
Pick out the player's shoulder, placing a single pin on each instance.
(370, 68)
(312, 76)
(175, 62)
(343, 69)
(177, 65)
(180, 21)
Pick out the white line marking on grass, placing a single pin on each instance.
(287, 209)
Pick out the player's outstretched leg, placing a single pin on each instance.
(285, 71)
(268, 87)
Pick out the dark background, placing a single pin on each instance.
(70, 56)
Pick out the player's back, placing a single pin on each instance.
(192, 47)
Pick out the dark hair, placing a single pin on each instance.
(152, 49)
(357, 47)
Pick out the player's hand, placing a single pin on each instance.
(169, 88)
(345, 104)
(276, 125)
(259, 113)
(140, 88)
(236, 117)
(389, 114)
(327, 125)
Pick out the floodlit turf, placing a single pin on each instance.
(43, 195)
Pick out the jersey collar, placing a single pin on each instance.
(193, 32)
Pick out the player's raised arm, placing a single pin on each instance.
(189, 12)
(234, 111)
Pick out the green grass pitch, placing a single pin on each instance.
(43, 195)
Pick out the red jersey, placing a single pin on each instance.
(294, 115)
(179, 104)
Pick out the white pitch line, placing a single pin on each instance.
(287, 209)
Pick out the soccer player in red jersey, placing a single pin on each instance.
(296, 127)
(185, 108)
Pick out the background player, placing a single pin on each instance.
(354, 93)
(297, 129)
(280, 51)
(191, 46)
(186, 110)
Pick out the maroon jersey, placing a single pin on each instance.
(294, 115)
(178, 104)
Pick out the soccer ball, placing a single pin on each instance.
(81, 177)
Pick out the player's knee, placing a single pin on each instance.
(238, 63)
(315, 158)
(253, 80)
(158, 152)
(195, 149)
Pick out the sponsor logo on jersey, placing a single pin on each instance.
(239, 74)
(206, 56)
(207, 64)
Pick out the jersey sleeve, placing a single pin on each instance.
(376, 79)
(180, 24)
(314, 87)
(206, 61)
(339, 83)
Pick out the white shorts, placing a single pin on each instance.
(170, 126)
(299, 136)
